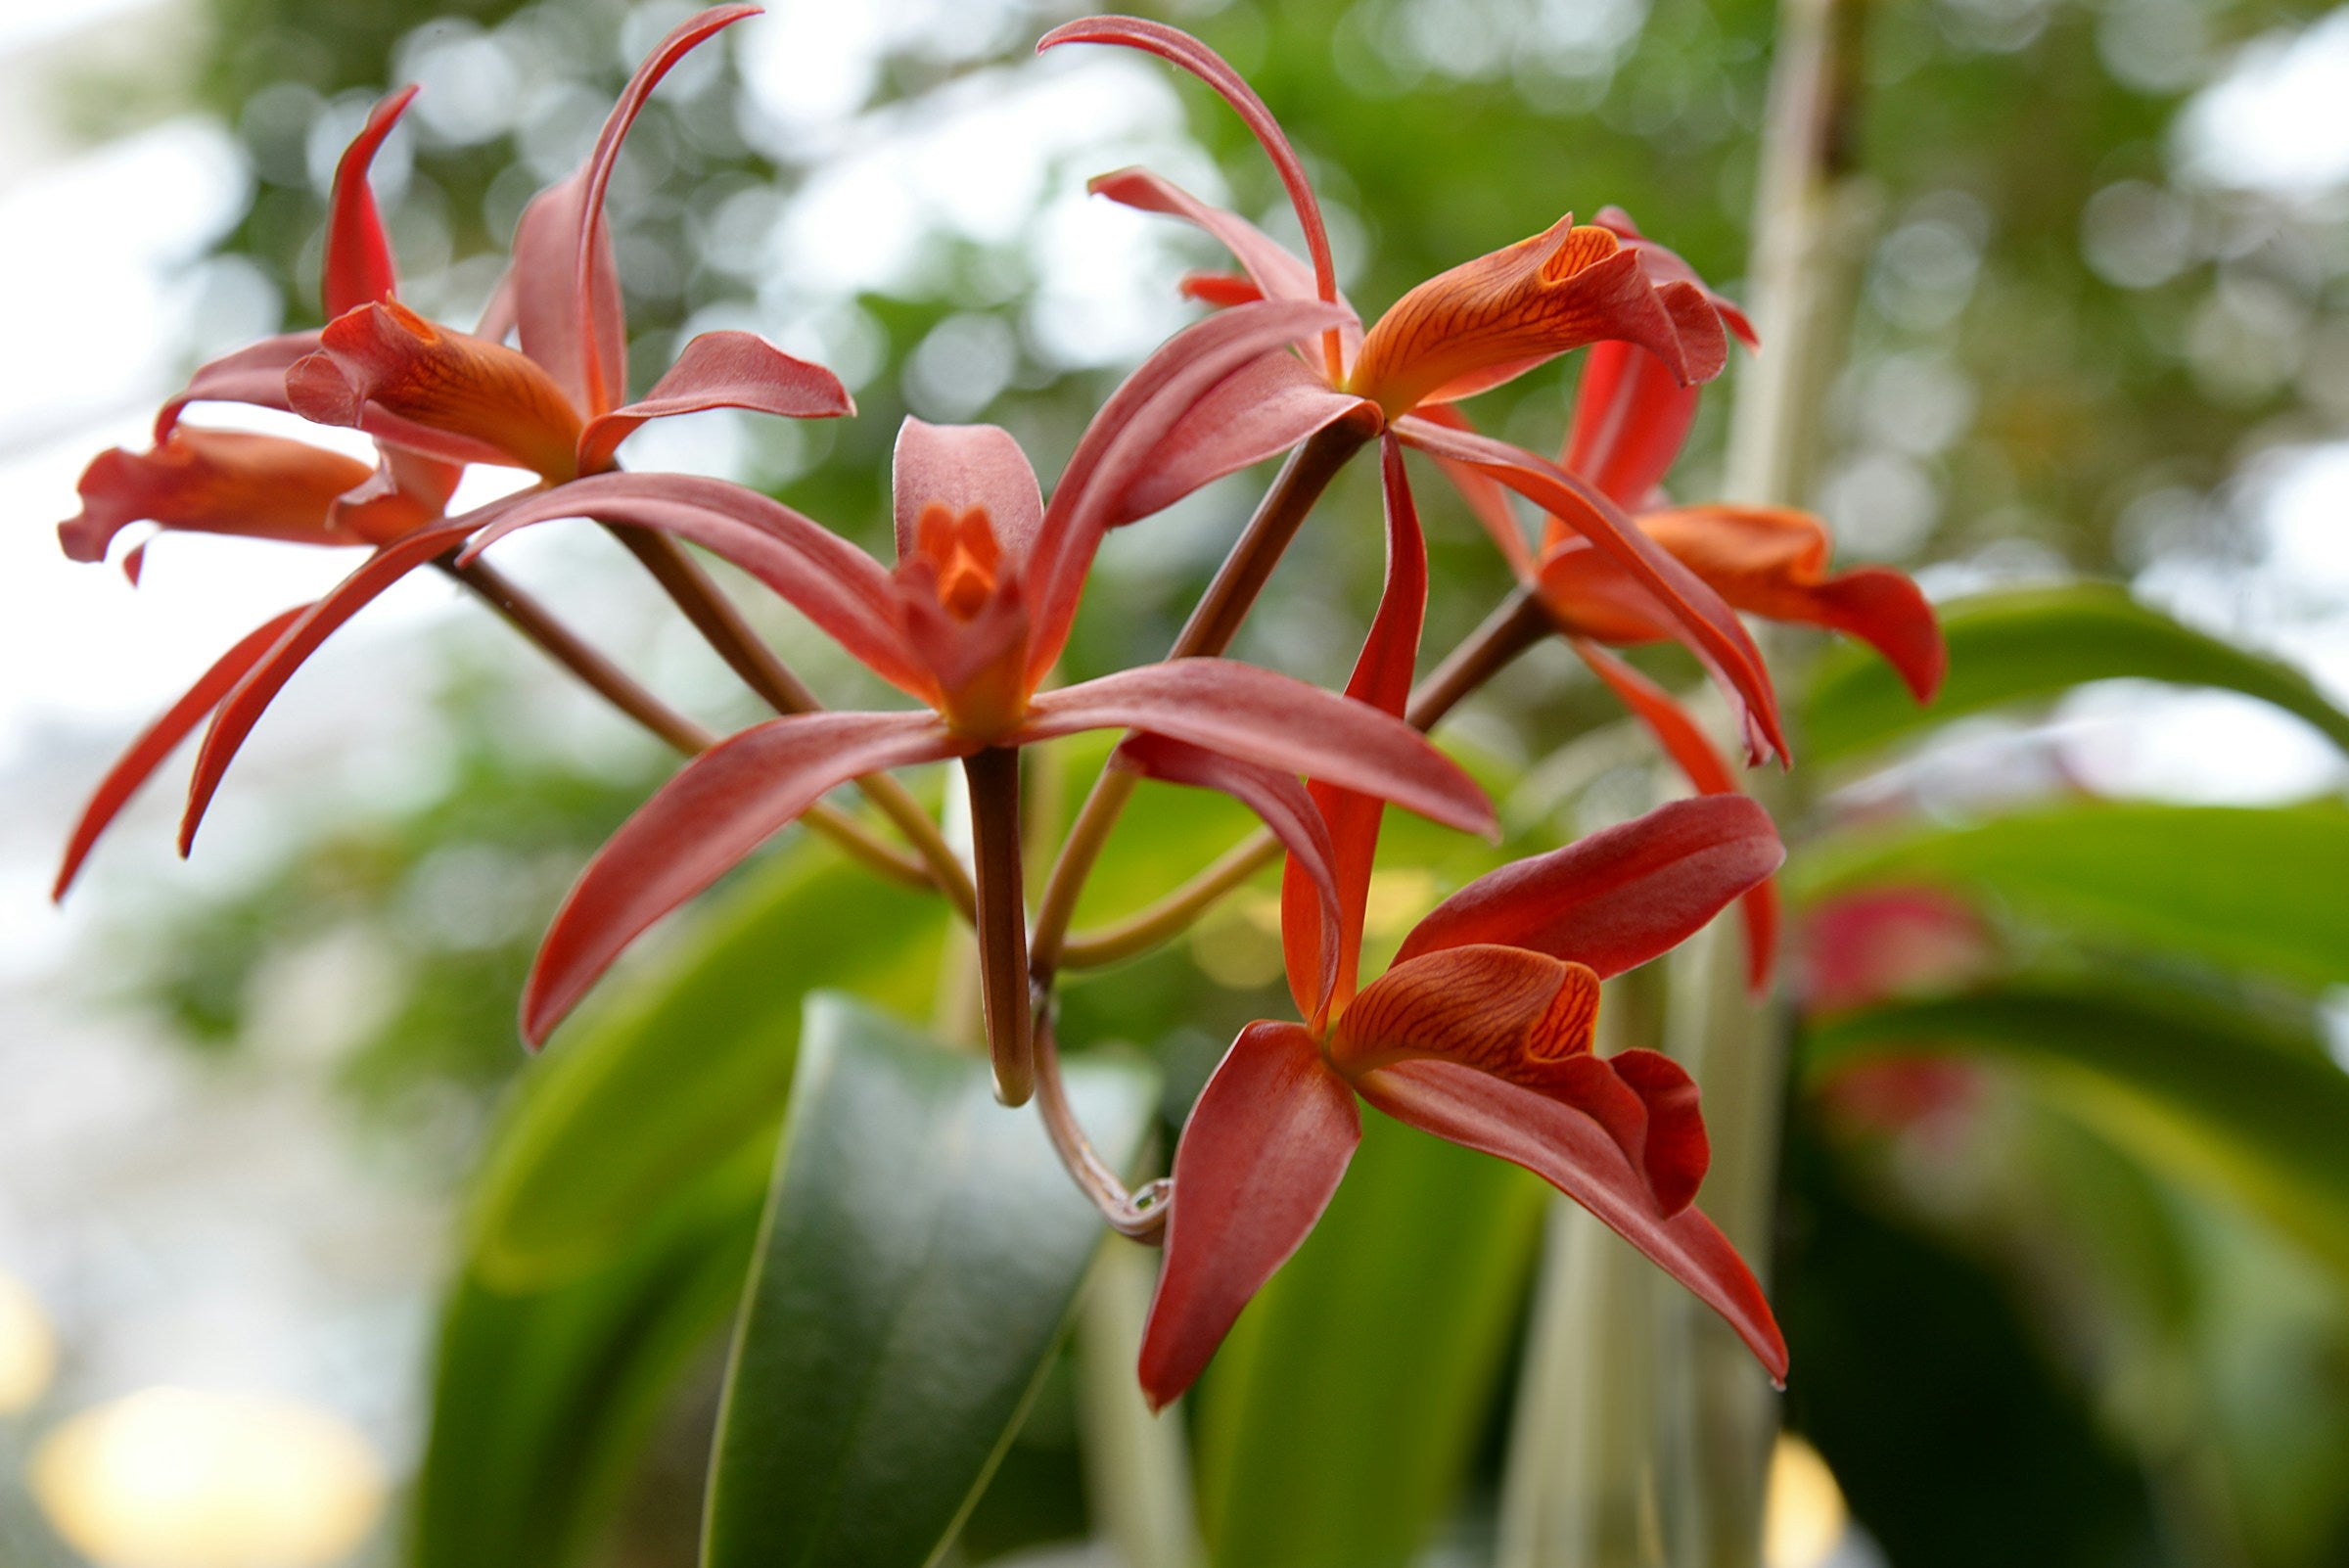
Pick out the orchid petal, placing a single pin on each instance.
(1685, 744)
(1619, 897)
(1180, 48)
(1222, 290)
(1121, 449)
(1574, 1154)
(594, 291)
(1275, 271)
(721, 370)
(1712, 631)
(1773, 561)
(1486, 497)
(1276, 720)
(1499, 315)
(1260, 1157)
(243, 708)
(255, 374)
(158, 740)
(1264, 408)
(359, 268)
(1631, 417)
(385, 370)
(214, 481)
(1381, 678)
(962, 467)
(1675, 1153)
(1528, 1018)
(1667, 265)
(1291, 815)
(718, 809)
(842, 590)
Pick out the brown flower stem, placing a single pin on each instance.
(723, 625)
(1212, 623)
(993, 775)
(625, 693)
(1140, 1214)
(1515, 624)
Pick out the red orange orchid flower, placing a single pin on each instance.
(969, 623)
(1630, 420)
(435, 400)
(1466, 331)
(1480, 1031)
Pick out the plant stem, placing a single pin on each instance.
(1140, 1214)
(1212, 623)
(625, 693)
(993, 775)
(723, 625)
(1515, 624)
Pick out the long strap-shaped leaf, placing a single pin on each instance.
(922, 1249)
(2038, 643)
(2212, 1097)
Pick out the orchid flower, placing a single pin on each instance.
(435, 400)
(1630, 420)
(1466, 331)
(1480, 1031)
(968, 624)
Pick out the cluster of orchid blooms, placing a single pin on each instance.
(1479, 1031)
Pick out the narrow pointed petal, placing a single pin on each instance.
(359, 268)
(146, 754)
(845, 592)
(1120, 447)
(1262, 1153)
(1264, 408)
(960, 467)
(1180, 48)
(545, 302)
(1486, 497)
(214, 481)
(1708, 627)
(1575, 1155)
(1684, 742)
(723, 804)
(721, 370)
(1272, 269)
(255, 374)
(243, 706)
(1631, 418)
(1492, 319)
(1260, 717)
(1772, 560)
(1619, 897)
(1382, 678)
(1219, 289)
(1290, 812)
(596, 324)
(385, 370)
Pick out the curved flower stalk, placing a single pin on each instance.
(435, 400)
(968, 624)
(1466, 331)
(1480, 1031)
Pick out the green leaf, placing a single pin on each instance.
(1338, 1420)
(542, 1399)
(2256, 889)
(691, 1068)
(2208, 1095)
(922, 1248)
(2027, 643)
